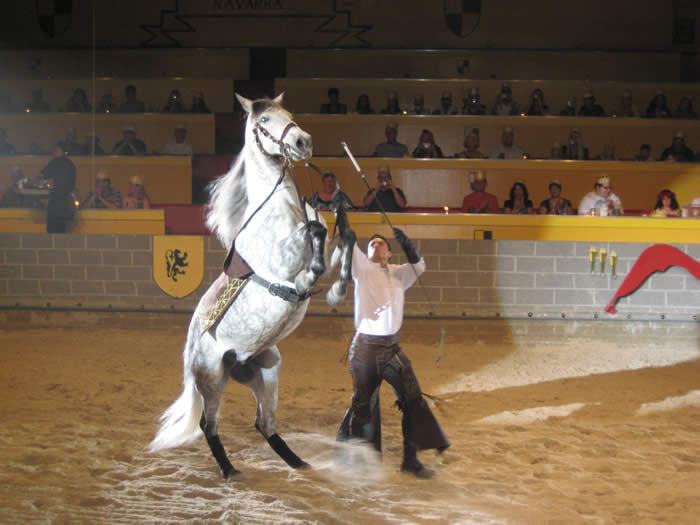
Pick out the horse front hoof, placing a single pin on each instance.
(230, 473)
(303, 466)
(336, 295)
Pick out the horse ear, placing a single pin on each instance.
(279, 98)
(247, 104)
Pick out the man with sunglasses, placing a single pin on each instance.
(601, 201)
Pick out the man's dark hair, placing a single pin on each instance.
(377, 236)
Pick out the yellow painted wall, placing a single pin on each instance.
(113, 222)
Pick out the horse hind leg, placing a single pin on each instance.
(211, 390)
(261, 375)
(308, 277)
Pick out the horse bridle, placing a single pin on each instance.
(284, 148)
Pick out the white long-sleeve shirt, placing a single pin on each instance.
(379, 293)
(592, 200)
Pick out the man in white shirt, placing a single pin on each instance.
(375, 355)
(507, 150)
(601, 201)
(179, 145)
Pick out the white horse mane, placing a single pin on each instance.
(228, 203)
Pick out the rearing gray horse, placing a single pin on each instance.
(255, 210)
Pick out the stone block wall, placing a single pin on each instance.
(464, 278)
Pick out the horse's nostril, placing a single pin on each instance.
(301, 143)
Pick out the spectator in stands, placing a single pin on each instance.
(419, 107)
(590, 108)
(426, 148)
(678, 151)
(131, 104)
(78, 102)
(507, 150)
(13, 197)
(324, 200)
(519, 202)
(334, 106)
(479, 201)
(5, 147)
(658, 107)
(385, 194)
(627, 107)
(666, 204)
(505, 105)
(103, 196)
(392, 104)
(91, 146)
(608, 153)
(130, 143)
(685, 109)
(137, 198)
(391, 148)
(363, 106)
(174, 104)
(471, 148)
(446, 106)
(556, 151)
(575, 148)
(70, 142)
(471, 103)
(555, 204)
(601, 201)
(570, 108)
(61, 207)
(38, 104)
(106, 104)
(199, 105)
(179, 145)
(644, 154)
(537, 106)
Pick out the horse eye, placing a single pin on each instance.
(264, 119)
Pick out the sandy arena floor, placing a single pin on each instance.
(543, 431)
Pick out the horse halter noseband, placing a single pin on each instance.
(284, 148)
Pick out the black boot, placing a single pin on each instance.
(410, 459)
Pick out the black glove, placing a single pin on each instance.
(409, 249)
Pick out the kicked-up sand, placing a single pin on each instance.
(551, 422)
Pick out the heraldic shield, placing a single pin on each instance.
(178, 263)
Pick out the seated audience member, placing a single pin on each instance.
(537, 106)
(471, 148)
(131, 104)
(137, 199)
(106, 104)
(601, 201)
(419, 107)
(91, 146)
(627, 107)
(13, 197)
(446, 106)
(685, 109)
(130, 143)
(178, 145)
(507, 150)
(385, 196)
(70, 143)
(392, 104)
(426, 148)
(78, 102)
(570, 108)
(608, 153)
(174, 104)
(590, 108)
(363, 107)
(658, 107)
(324, 200)
(103, 196)
(555, 204)
(505, 105)
(666, 204)
(575, 148)
(5, 147)
(644, 154)
(199, 105)
(471, 103)
(518, 202)
(479, 201)
(38, 104)
(391, 148)
(556, 152)
(678, 151)
(333, 106)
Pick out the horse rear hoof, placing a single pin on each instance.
(303, 466)
(230, 474)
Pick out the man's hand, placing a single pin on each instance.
(409, 249)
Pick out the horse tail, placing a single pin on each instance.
(227, 203)
(179, 424)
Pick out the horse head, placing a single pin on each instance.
(274, 132)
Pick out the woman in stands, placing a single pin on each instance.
(363, 106)
(138, 198)
(519, 202)
(426, 148)
(322, 200)
(537, 107)
(666, 204)
(658, 107)
(78, 102)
